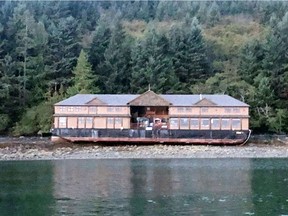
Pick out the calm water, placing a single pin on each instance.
(145, 187)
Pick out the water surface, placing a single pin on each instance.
(145, 187)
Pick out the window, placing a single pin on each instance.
(180, 109)
(205, 123)
(236, 110)
(194, 123)
(225, 123)
(188, 109)
(62, 108)
(227, 110)
(110, 109)
(174, 123)
(77, 109)
(204, 110)
(215, 123)
(118, 109)
(110, 121)
(70, 109)
(236, 124)
(118, 121)
(89, 120)
(184, 123)
(92, 110)
(81, 120)
(62, 121)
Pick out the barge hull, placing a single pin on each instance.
(207, 137)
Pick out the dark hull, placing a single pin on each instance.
(202, 137)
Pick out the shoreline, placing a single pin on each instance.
(14, 149)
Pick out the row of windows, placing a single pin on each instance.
(70, 109)
(91, 109)
(89, 121)
(205, 123)
(206, 109)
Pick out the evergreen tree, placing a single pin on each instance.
(213, 14)
(116, 65)
(152, 65)
(83, 80)
(101, 39)
(190, 61)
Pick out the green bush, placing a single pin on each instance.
(35, 119)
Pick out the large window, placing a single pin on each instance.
(225, 123)
(110, 122)
(194, 123)
(118, 121)
(236, 124)
(215, 123)
(89, 120)
(174, 123)
(81, 120)
(62, 121)
(184, 123)
(205, 123)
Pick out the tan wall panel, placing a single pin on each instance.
(126, 123)
(245, 124)
(56, 122)
(72, 122)
(100, 122)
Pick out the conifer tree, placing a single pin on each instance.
(189, 55)
(83, 80)
(116, 65)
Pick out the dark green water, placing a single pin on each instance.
(145, 187)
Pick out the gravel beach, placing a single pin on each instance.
(43, 149)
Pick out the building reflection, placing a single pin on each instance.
(153, 187)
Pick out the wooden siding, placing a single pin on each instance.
(149, 98)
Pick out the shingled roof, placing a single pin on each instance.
(174, 100)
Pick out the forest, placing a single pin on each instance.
(50, 50)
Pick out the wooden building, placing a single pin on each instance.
(170, 112)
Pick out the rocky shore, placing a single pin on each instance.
(43, 149)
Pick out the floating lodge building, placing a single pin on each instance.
(151, 118)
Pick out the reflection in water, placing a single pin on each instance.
(26, 188)
(270, 186)
(153, 187)
(145, 187)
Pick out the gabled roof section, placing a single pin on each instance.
(190, 100)
(101, 99)
(205, 102)
(149, 98)
(95, 101)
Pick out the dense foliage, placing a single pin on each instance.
(52, 49)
